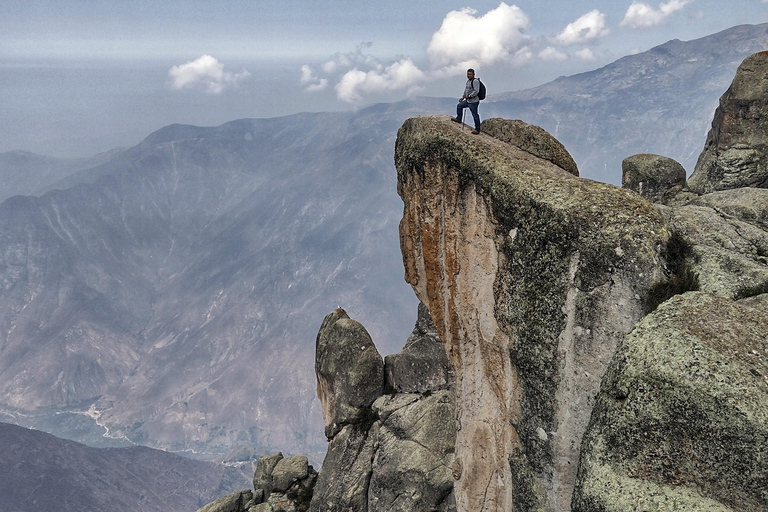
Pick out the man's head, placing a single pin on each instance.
(470, 74)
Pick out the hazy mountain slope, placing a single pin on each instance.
(25, 173)
(659, 101)
(184, 284)
(173, 293)
(42, 472)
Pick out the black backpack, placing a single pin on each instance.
(481, 94)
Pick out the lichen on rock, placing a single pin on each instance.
(681, 422)
(532, 139)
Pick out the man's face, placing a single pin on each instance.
(470, 75)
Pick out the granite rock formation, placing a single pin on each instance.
(350, 372)
(532, 277)
(681, 421)
(399, 456)
(280, 484)
(656, 178)
(736, 151)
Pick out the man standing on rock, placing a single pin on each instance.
(470, 99)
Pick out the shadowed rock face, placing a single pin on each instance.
(531, 277)
(422, 364)
(736, 151)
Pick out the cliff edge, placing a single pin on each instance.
(532, 277)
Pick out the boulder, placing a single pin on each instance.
(289, 471)
(234, 502)
(736, 152)
(412, 469)
(656, 178)
(745, 204)
(681, 421)
(349, 369)
(729, 256)
(422, 365)
(532, 139)
(342, 484)
(262, 476)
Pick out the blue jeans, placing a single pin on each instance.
(472, 108)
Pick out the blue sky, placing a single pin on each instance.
(128, 67)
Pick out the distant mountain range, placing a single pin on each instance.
(42, 472)
(660, 101)
(169, 295)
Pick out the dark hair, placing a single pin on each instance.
(472, 70)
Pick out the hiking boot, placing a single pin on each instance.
(455, 119)
(475, 132)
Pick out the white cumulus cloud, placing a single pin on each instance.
(552, 54)
(586, 28)
(465, 40)
(641, 15)
(585, 55)
(402, 75)
(206, 72)
(311, 82)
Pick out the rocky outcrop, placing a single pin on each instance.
(728, 255)
(532, 277)
(736, 152)
(399, 456)
(681, 421)
(422, 364)
(233, 502)
(532, 139)
(280, 484)
(350, 372)
(656, 178)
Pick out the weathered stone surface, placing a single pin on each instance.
(262, 476)
(261, 507)
(349, 369)
(233, 502)
(729, 256)
(342, 484)
(422, 365)
(288, 471)
(532, 139)
(656, 178)
(746, 204)
(412, 469)
(681, 421)
(532, 276)
(736, 152)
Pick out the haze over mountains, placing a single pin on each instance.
(163, 292)
(42, 472)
